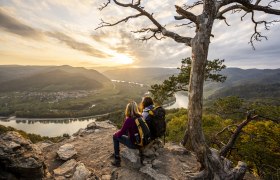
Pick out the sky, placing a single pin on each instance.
(52, 32)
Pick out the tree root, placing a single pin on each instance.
(220, 168)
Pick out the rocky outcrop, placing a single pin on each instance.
(81, 172)
(66, 152)
(72, 170)
(159, 162)
(66, 169)
(94, 127)
(153, 174)
(91, 156)
(20, 157)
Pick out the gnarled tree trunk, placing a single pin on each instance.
(212, 165)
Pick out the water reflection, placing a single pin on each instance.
(61, 121)
(48, 127)
(182, 100)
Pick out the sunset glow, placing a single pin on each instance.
(123, 59)
(52, 32)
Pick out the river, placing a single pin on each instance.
(49, 127)
(58, 126)
(182, 100)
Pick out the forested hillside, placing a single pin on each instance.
(250, 83)
(49, 78)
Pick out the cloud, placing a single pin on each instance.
(14, 26)
(72, 22)
(165, 53)
(72, 43)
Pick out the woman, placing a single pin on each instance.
(129, 126)
(146, 105)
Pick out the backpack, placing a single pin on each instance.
(143, 137)
(156, 122)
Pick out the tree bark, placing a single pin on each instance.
(212, 165)
(200, 46)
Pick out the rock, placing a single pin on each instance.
(60, 178)
(97, 130)
(81, 173)
(66, 168)
(90, 131)
(14, 146)
(43, 145)
(151, 149)
(20, 157)
(91, 126)
(149, 153)
(93, 177)
(156, 163)
(79, 132)
(105, 124)
(151, 173)
(66, 152)
(177, 150)
(132, 157)
(105, 177)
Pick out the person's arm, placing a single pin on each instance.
(124, 128)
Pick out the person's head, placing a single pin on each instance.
(132, 110)
(146, 101)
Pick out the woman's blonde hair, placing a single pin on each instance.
(132, 110)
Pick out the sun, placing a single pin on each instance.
(123, 59)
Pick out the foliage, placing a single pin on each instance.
(258, 144)
(259, 147)
(176, 124)
(162, 92)
(267, 111)
(250, 90)
(177, 120)
(229, 107)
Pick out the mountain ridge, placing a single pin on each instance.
(50, 78)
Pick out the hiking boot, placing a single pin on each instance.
(116, 162)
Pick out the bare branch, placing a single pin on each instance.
(257, 2)
(257, 36)
(226, 22)
(104, 5)
(273, 1)
(226, 128)
(186, 24)
(186, 14)
(179, 17)
(186, 7)
(252, 7)
(154, 34)
(231, 8)
(225, 149)
(142, 12)
(106, 24)
(243, 16)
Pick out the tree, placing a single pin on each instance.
(212, 165)
(173, 84)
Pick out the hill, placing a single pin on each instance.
(249, 83)
(246, 83)
(147, 76)
(49, 78)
